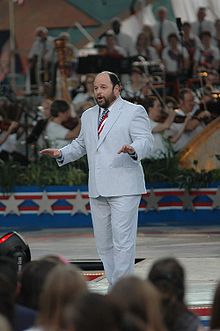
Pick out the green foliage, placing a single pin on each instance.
(46, 172)
(167, 170)
(9, 173)
(164, 169)
(43, 172)
(190, 178)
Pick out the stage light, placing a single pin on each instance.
(13, 245)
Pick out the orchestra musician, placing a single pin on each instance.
(7, 138)
(196, 119)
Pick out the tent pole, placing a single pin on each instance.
(12, 43)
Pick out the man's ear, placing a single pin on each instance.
(117, 89)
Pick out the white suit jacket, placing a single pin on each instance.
(112, 174)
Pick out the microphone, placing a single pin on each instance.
(180, 26)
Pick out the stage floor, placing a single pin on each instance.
(198, 249)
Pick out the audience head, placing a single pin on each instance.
(4, 324)
(8, 269)
(139, 298)
(96, 312)
(215, 316)
(32, 279)
(63, 286)
(7, 298)
(8, 287)
(167, 274)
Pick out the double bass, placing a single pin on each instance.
(62, 88)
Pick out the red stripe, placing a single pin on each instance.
(201, 311)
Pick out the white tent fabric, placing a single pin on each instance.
(187, 9)
(134, 23)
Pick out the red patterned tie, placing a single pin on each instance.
(102, 120)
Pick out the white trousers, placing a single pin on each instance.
(115, 229)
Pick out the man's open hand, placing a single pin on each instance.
(52, 152)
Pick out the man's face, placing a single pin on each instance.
(188, 102)
(162, 15)
(64, 116)
(201, 14)
(155, 111)
(116, 27)
(104, 92)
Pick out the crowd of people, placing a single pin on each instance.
(173, 71)
(51, 294)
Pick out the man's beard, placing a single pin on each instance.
(106, 102)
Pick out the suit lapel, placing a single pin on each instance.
(94, 123)
(112, 118)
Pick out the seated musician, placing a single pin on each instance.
(57, 134)
(196, 119)
(7, 138)
(161, 121)
(135, 85)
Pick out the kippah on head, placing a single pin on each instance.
(113, 77)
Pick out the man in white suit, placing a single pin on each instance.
(116, 181)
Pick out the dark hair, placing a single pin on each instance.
(96, 312)
(59, 106)
(113, 78)
(7, 302)
(215, 318)
(8, 269)
(32, 279)
(149, 102)
(186, 24)
(205, 34)
(167, 274)
(171, 36)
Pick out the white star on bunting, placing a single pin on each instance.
(152, 201)
(187, 201)
(11, 205)
(45, 204)
(79, 204)
(216, 199)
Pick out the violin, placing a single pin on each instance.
(71, 123)
(181, 118)
(4, 125)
